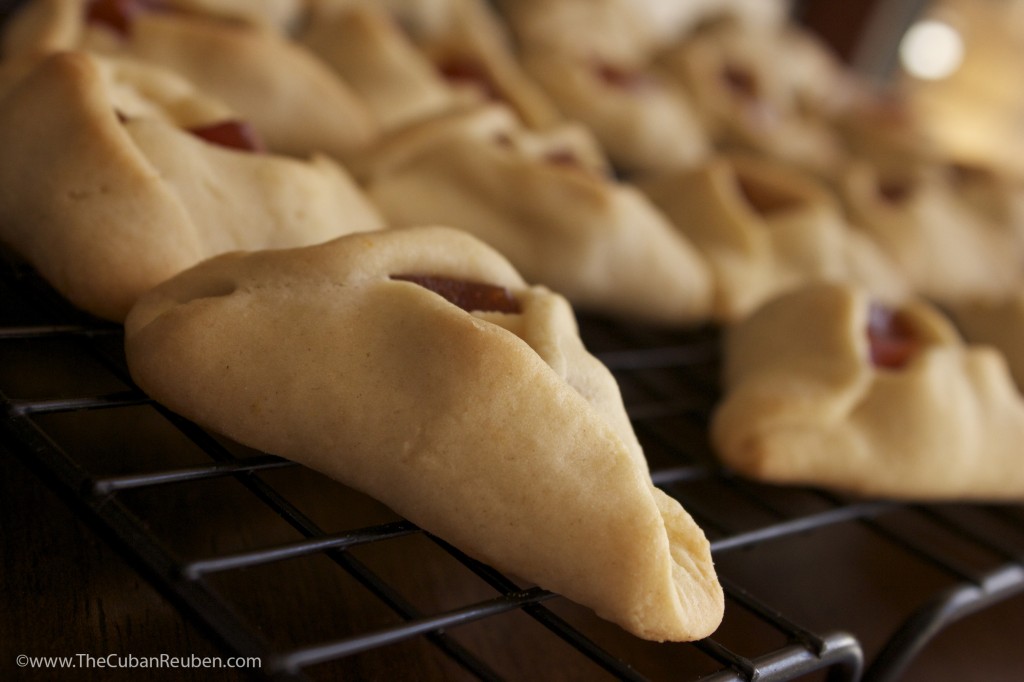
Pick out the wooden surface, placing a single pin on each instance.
(65, 592)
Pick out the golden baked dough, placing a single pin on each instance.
(995, 193)
(810, 399)
(367, 47)
(948, 251)
(758, 91)
(592, 58)
(674, 21)
(278, 14)
(135, 89)
(881, 128)
(106, 208)
(298, 105)
(996, 323)
(617, 30)
(496, 431)
(546, 203)
(628, 30)
(464, 41)
(643, 120)
(766, 227)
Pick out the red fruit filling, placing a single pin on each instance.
(232, 134)
(630, 80)
(119, 15)
(470, 296)
(892, 340)
(462, 70)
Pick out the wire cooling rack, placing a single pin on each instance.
(272, 560)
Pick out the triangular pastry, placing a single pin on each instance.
(368, 48)
(476, 413)
(593, 59)
(879, 126)
(106, 193)
(463, 41)
(949, 251)
(545, 201)
(473, 48)
(644, 121)
(749, 100)
(766, 227)
(296, 103)
(825, 387)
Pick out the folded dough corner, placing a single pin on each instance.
(825, 387)
(106, 193)
(496, 431)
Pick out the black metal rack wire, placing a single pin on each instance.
(72, 413)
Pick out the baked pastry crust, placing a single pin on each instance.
(368, 49)
(473, 36)
(545, 202)
(277, 14)
(761, 91)
(618, 30)
(463, 41)
(630, 30)
(645, 122)
(106, 209)
(949, 252)
(593, 59)
(298, 105)
(996, 194)
(672, 22)
(496, 431)
(996, 323)
(766, 227)
(804, 404)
